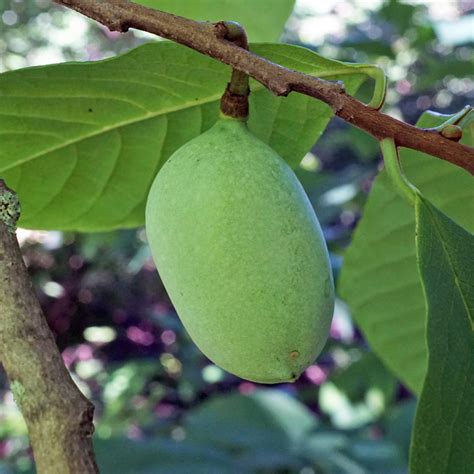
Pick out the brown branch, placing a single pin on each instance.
(58, 416)
(120, 15)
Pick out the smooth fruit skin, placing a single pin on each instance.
(241, 254)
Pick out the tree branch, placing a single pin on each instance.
(120, 15)
(58, 416)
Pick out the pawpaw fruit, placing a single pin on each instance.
(241, 254)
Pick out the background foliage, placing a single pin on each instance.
(161, 406)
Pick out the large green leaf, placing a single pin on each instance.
(81, 143)
(161, 456)
(269, 431)
(443, 437)
(379, 278)
(266, 431)
(265, 420)
(263, 20)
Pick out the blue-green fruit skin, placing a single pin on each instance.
(241, 254)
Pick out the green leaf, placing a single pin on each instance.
(365, 376)
(379, 278)
(161, 456)
(443, 436)
(261, 22)
(330, 459)
(399, 423)
(335, 452)
(81, 143)
(377, 456)
(260, 460)
(264, 420)
(5, 468)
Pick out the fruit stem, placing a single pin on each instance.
(234, 102)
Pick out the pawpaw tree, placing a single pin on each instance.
(200, 139)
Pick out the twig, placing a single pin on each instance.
(58, 416)
(120, 15)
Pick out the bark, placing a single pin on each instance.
(57, 414)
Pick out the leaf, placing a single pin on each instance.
(365, 376)
(335, 461)
(260, 460)
(378, 456)
(443, 436)
(325, 451)
(336, 452)
(379, 278)
(5, 468)
(398, 424)
(266, 420)
(82, 142)
(161, 456)
(261, 22)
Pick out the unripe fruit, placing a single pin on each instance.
(241, 254)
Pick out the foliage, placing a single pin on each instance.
(266, 431)
(118, 123)
(380, 278)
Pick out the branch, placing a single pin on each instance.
(58, 416)
(120, 15)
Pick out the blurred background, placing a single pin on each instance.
(161, 406)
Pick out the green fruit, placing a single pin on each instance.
(241, 254)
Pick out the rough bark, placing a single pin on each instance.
(57, 414)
